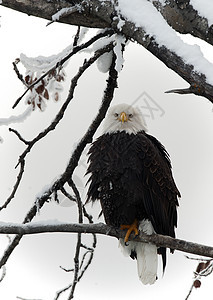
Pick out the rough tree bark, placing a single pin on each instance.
(100, 228)
(182, 17)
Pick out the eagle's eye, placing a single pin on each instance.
(116, 115)
(130, 115)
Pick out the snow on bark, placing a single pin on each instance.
(16, 119)
(204, 9)
(64, 12)
(143, 14)
(120, 41)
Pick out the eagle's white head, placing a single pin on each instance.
(124, 117)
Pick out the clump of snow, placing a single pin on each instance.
(119, 41)
(64, 12)
(45, 190)
(101, 43)
(82, 34)
(143, 14)
(16, 119)
(43, 63)
(163, 2)
(204, 9)
(104, 62)
(49, 222)
(120, 22)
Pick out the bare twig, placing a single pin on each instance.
(76, 267)
(66, 270)
(78, 200)
(76, 38)
(91, 254)
(19, 136)
(193, 258)
(180, 91)
(19, 75)
(193, 89)
(18, 180)
(58, 293)
(190, 291)
(67, 195)
(204, 268)
(3, 273)
(78, 244)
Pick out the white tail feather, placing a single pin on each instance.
(147, 260)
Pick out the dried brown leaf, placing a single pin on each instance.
(46, 94)
(56, 96)
(28, 79)
(197, 283)
(41, 87)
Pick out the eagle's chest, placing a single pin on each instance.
(120, 182)
(120, 156)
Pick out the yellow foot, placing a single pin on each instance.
(132, 227)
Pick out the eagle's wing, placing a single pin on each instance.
(160, 194)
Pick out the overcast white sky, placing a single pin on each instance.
(185, 128)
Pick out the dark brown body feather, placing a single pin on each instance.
(131, 176)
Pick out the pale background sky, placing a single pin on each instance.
(185, 129)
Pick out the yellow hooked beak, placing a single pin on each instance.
(123, 117)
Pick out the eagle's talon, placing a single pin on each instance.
(132, 227)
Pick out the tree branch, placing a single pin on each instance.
(182, 17)
(87, 138)
(96, 15)
(46, 9)
(60, 63)
(78, 244)
(55, 122)
(100, 228)
(196, 80)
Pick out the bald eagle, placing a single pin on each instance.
(130, 173)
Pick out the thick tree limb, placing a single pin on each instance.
(182, 17)
(46, 9)
(93, 14)
(100, 228)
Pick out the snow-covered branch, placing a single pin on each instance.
(100, 228)
(187, 17)
(134, 20)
